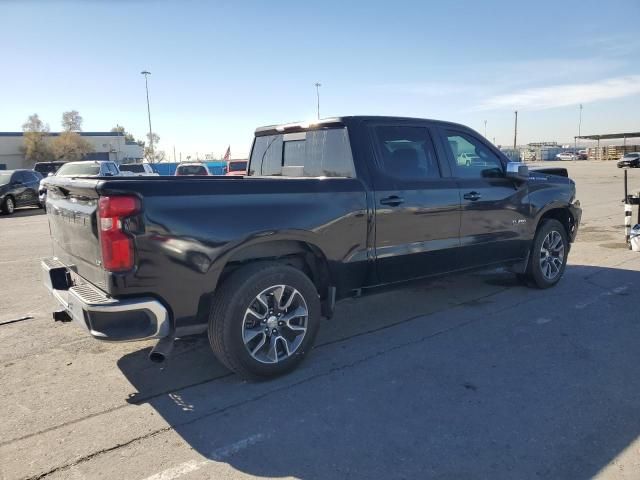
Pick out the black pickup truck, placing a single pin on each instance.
(326, 210)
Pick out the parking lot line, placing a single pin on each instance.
(217, 455)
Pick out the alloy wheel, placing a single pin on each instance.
(552, 255)
(275, 323)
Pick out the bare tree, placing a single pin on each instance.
(71, 121)
(157, 156)
(70, 146)
(35, 146)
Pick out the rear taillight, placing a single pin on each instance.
(115, 243)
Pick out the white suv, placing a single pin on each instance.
(137, 169)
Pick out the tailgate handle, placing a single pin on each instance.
(392, 201)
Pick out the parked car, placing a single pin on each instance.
(18, 188)
(583, 155)
(567, 156)
(191, 169)
(46, 168)
(83, 168)
(257, 261)
(631, 160)
(137, 169)
(467, 158)
(236, 168)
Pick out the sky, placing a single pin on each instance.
(219, 69)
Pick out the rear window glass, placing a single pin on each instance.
(132, 168)
(88, 168)
(192, 170)
(315, 153)
(46, 168)
(237, 166)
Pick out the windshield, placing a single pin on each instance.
(632, 155)
(192, 170)
(135, 168)
(79, 169)
(5, 176)
(237, 166)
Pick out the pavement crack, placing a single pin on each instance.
(16, 320)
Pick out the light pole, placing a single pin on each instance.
(580, 121)
(515, 132)
(318, 85)
(485, 129)
(146, 84)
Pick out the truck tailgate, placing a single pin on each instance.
(71, 210)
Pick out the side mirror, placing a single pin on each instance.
(517, 171)
(50, 174)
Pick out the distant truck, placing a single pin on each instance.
(326, 210)
(237, 167)
(45, 168)
(79, 169)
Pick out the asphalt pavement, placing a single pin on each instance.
(464, 377)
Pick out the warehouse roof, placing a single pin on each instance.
(609, 136)
(55, 134)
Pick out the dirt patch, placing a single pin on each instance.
(618, 245)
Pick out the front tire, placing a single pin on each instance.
(9, 205)
(264, 320)
(549, 252)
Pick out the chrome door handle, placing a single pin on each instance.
(392, 201)
(473, 196)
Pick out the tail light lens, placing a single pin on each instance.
(115, 243)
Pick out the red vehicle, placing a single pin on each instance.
(236, 168)
(190, 169)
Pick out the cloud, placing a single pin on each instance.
(564, 95)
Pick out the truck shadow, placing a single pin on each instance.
(24, 212)
(465, 377)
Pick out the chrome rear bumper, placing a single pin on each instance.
(104, 317)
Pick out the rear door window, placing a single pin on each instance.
(406, 152)
(314, 153)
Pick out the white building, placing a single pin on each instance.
(106, 146)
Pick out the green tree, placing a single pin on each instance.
(70, 146)
(71, 121)
(127, 136)
(35, 145)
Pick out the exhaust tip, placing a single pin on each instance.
(157, 357)
(161, 351)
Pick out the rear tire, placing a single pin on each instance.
(548, 257)
(248, 312)
(9, 205)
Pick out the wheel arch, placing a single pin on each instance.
(301, 254)
(561, 213)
